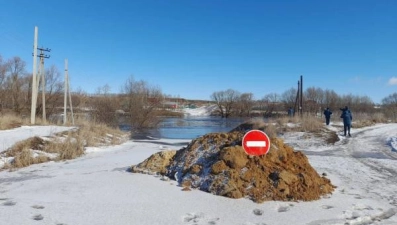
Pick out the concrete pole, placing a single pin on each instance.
(34, 91)
(43, 88)
(66, 93)
(70, 101)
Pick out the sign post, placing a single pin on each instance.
(256, 142)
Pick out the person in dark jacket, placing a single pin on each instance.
(327, 114)
(290, 112)
(347, 120)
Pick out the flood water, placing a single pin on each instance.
(188, 127)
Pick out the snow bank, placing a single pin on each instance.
(10, 137)
(392, 141)
(201, 111)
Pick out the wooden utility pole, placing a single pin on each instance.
(301, 96)
(297, 99)
(34, 90)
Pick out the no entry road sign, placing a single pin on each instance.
(256, 142)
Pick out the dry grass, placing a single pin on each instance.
(31, 143)
(66, 145)
(10, 121)
(311, 124)
(271, 130)
(97, 134)
(70, 148)
(301, 124)
(24, 158)
(273, 127)
(363, 119)
(65, 148)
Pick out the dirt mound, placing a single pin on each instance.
(217, 163)
(156, 163)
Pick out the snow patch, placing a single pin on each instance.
(392, 142)
(201, 111)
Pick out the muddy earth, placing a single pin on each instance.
(217, 163)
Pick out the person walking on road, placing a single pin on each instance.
(327, 114)
(347, 120)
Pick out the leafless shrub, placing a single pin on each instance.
(389, 107)
(104, 106)
(142, 102)
(54, 94)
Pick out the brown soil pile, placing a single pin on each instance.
(217, 163)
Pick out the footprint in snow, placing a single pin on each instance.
(199, 218)
(258, 212)
(38, 207)
(327, 207)
(38, 217)
(9, 203)
(284, 207)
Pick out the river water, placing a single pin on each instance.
(189, 127)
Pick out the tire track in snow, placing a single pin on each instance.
(377, 157)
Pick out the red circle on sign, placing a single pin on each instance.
(256, 142)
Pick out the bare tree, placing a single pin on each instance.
(363, 104)
(346, 100)
(3, 71)
(389, 105)
(104, 106)
(226, 101)
(331, 99)
(142, 103)
(289, 98)
(244, 104)
(53, 91)
(270, 103)
(15, 69)
(390, 100)
(314, 99)
(218, 98)
(80, 99)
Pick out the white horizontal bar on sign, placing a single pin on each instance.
(256, 143)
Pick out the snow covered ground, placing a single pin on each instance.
(9, 137)
(200, 111)
(97, 189)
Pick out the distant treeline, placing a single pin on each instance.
(146, 104)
